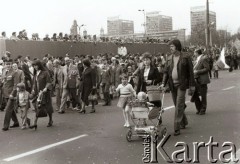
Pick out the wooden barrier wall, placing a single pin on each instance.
(40, 48)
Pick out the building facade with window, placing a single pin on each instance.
(198, 17)
(157, 23)
(116, 26)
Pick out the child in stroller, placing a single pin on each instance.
(143, 111)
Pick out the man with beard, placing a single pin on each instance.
(70, 83)
(178, 72)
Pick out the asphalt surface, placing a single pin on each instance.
(100, 137)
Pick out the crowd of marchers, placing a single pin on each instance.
(78, 81)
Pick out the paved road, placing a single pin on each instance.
(100, 137)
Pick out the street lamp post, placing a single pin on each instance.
(207, 27)
(226, 38)
(144, 24)
(210, 32)
(80, 29)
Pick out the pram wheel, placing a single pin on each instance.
(155, 137)
(129, 136)
(163, 132)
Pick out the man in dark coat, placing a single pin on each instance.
(10, 81)
(210, 62)
(201, 68)
(11, 112)
(106, 81)
(178, 72)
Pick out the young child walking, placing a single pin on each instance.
(23, 103)
(126, 93)
(215, 68)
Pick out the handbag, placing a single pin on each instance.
(203, 79)
(152, 88)
(153, 92)
(93, 95)
(40, 109)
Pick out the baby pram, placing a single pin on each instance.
(142, 115)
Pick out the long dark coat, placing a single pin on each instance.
(153, 75)
(87, 81)
(40, 82)
(27, 77)
(184, 70)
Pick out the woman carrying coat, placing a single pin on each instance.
(42, 83)
(87, 84)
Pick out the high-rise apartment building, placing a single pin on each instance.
(157, 23)
(101, 32)
(198, 17)
(116, 26)
(74, 28)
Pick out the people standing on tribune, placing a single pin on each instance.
(201, 68)
(178, 72)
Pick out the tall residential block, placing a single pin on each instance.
(198, 18)
(155, 22)
(116, 26)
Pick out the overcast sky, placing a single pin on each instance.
(49, 16)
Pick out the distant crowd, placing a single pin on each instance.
(22, 35)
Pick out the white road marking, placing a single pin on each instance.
(228, 88)
(43, 148)
(170, 107)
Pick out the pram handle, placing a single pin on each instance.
(162, 100)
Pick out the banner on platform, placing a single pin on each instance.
(221, 60)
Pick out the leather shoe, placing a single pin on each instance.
(92, 111)
(197, 112)
(50, 124)
(202, 113)
(4, 129)
(82, 111)
(61, 112)
(14, 126)
(182, 126)
(177, 132)
(28, 122)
